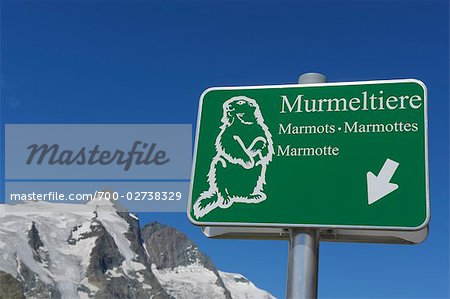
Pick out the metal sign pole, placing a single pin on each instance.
(303, 256)
(302, 264)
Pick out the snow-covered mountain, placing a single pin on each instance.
(57, 250)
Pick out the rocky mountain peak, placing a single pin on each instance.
(94, 251)
(169, 248)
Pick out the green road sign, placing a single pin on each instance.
(335, 155)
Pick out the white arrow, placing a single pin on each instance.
(380, 186)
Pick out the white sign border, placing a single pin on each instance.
(318, 226)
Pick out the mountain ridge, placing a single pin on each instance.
(92, 250)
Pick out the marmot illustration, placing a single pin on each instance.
(244, 148)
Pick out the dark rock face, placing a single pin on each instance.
(34, 287)
(167, 247)
(104, 256)
(123, 288)
(10, 288)
(33, 237)
(35, 243)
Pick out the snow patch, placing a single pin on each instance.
(113, 273)
(186, 282)
(240, 287)
(133, 216)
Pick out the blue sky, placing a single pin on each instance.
(148, 62)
